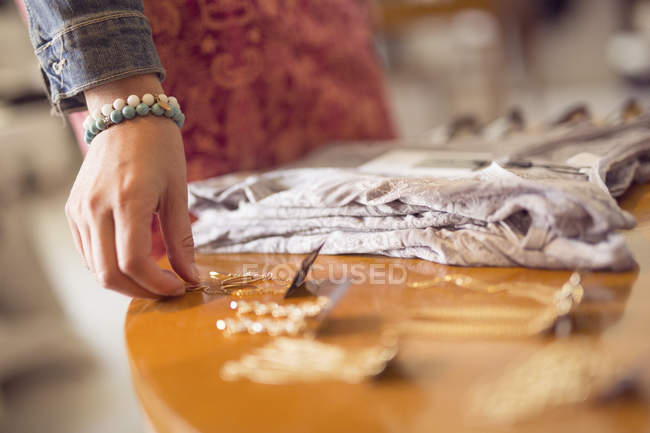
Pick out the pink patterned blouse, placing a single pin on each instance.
(262, 82)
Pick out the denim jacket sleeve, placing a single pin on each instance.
(81, 44)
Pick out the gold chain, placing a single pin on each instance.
(233, 284)
(492, 320)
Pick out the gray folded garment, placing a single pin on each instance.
(534, 217)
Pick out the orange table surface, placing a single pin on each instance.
(176, 352)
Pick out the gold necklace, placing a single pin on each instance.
(290, 360)
(564, 372)
(233, 284)
(528, 290)
(494, 320)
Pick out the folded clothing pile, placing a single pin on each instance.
(555, 211)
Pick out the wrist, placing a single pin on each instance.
(127, 109)
(135, 85)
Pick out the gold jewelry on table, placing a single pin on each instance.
(528, 290)
(457, 279)
(273, 327)
(497, 321)
(564, 372)
(272, 318)
(289, 360)
(488, 312)
(211, 288)
(255, 291)
(235, 276)
(207, 287)
(535, 326)
(241, 280)
(190, 288)
(236, 285)
(300, 310)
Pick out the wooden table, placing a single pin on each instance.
(176, 352)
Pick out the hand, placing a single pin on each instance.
(131, 171)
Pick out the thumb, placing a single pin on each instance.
(177, 233)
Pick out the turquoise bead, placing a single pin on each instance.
(100, 124)
(142, 109)
(89, 137)
(157, 110)
(128, 112)
(171, 112)
(116, 116)
(93, 128)
(180, 120)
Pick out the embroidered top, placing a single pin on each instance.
(263, 82)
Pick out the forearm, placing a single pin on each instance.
(83, 44)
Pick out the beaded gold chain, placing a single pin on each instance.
(271, 318)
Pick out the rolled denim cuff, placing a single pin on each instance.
(95, 51)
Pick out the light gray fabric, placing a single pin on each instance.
(498, 217)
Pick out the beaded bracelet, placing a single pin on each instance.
(121, 110)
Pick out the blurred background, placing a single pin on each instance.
(63, 366)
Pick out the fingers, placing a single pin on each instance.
(86, 246)
(133, 248)
(177, 233)
(96, 244)
(107, 272)
(76, 237)
(118, 187)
